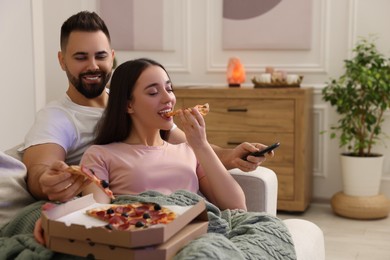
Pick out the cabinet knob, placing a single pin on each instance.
(233, 143)
(229, 109)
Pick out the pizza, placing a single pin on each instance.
(90, 175)
(203, 110)
(132, 216)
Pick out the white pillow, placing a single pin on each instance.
(13, 189)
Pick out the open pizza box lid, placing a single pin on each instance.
(68, 221)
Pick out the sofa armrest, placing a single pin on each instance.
(260, 187)
(309, 241)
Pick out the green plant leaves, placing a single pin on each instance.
(360, 96)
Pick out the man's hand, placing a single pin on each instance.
(46, 178)
(232, 158)
(60, 185)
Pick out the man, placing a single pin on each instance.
(64, 128)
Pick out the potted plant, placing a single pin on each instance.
(361, 96)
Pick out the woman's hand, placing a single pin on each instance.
(38, 232)
(194, 127)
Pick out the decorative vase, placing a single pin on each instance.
(361, 175)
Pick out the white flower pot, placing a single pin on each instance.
(361, 175)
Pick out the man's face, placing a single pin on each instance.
(87, 61)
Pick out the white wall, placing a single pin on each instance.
(199, 60)
(17, 100)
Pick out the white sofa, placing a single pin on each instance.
(261, 189)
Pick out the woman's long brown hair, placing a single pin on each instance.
(115, 124)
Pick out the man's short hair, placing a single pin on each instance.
(83, 21)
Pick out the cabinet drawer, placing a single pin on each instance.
(285, 187)
(276, 115)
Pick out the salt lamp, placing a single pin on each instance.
(235, 73)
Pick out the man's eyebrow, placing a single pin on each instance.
(86, 53)
(79, 53)
(101, 52)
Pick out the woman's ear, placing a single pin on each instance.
(130, 109)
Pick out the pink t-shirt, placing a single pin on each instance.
(132, 169)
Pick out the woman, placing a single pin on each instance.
(130, 150)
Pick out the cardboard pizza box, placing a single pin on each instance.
(163, 251)
(68, 221)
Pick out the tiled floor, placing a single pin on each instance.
(348, 239)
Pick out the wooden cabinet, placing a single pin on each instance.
(267, 116)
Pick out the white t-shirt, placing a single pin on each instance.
(67, 124)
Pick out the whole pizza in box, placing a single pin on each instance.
(132, 216)
(130, 225)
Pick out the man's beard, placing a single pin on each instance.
(90, 90)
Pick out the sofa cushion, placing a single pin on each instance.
(13, 189)
(308, 239)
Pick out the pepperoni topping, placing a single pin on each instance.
(139, 211)
(117, 220)
(124, 226)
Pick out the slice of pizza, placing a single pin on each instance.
(132, 216)
(203, 110)
(89, 174)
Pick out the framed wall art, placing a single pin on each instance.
(266, 24)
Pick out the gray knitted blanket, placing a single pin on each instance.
(232, 234)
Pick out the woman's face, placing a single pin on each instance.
(152, 97)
